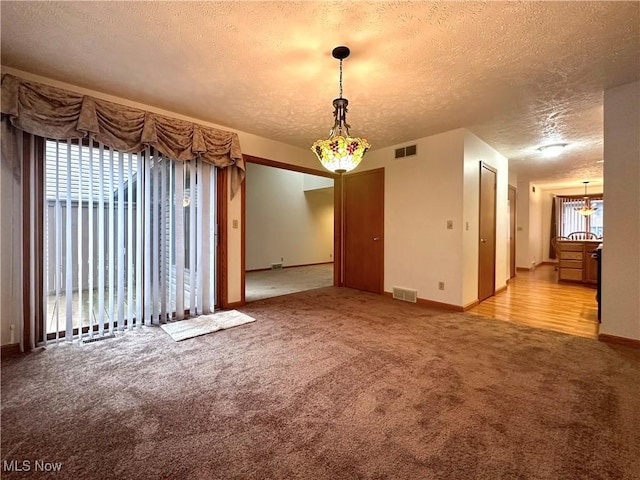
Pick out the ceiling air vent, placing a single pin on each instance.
(405, 294)
(406, 151)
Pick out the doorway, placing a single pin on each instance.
(289, 229)
(487, 237)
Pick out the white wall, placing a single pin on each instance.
(621, 251)
(423, 192)
(11, 256)
(315, 182)
(289, 216)
(234, 246)
(475, 150)
(535, 225)
(529, 225)
(523, 258)
(513, 182)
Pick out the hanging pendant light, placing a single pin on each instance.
(341, 152)
(585, 210)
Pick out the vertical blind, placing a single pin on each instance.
(128, 242)
(570, 220)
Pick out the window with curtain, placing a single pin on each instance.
(571, 220)
(125, 224)
(128, 239)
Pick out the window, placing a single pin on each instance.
(571, 220)
(128, 239)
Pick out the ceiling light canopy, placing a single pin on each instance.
(586, 209)
(552, 150)
(341, 152)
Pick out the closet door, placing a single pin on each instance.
(364, 231)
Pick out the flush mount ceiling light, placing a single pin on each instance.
(552, 150)
(586, 209)
(341, 152)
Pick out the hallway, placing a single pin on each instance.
(536, 299)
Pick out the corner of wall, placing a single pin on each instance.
(620, 254)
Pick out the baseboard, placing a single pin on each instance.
(500, 290)
(232, 305)
(10, 350)
(627, 342)
(469, 306)
(432, 303)
(442, 305)
(288, 266)
(529, 269)
(306, 264)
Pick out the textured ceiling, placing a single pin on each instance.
(517, 74)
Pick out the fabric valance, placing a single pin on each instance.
(61, 115)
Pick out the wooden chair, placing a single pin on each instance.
(583, 236)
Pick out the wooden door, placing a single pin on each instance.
(512, 231)
(487, 240)
(363, 228)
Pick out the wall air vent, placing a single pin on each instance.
(405, 294)
(406, 151)
(276, 266)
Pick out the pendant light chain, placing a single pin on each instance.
(340, 78)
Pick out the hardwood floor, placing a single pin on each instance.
(535, 298)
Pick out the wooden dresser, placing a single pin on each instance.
(575, 263)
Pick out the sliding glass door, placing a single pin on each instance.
(129, 239)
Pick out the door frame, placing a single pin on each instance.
(338, 280)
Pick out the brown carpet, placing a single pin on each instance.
(329, 384)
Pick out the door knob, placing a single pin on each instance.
(482, 240)
(376, 238)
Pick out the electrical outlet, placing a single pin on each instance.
(449, 224)
(234, 224)
(282, 259)
(440, 285)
